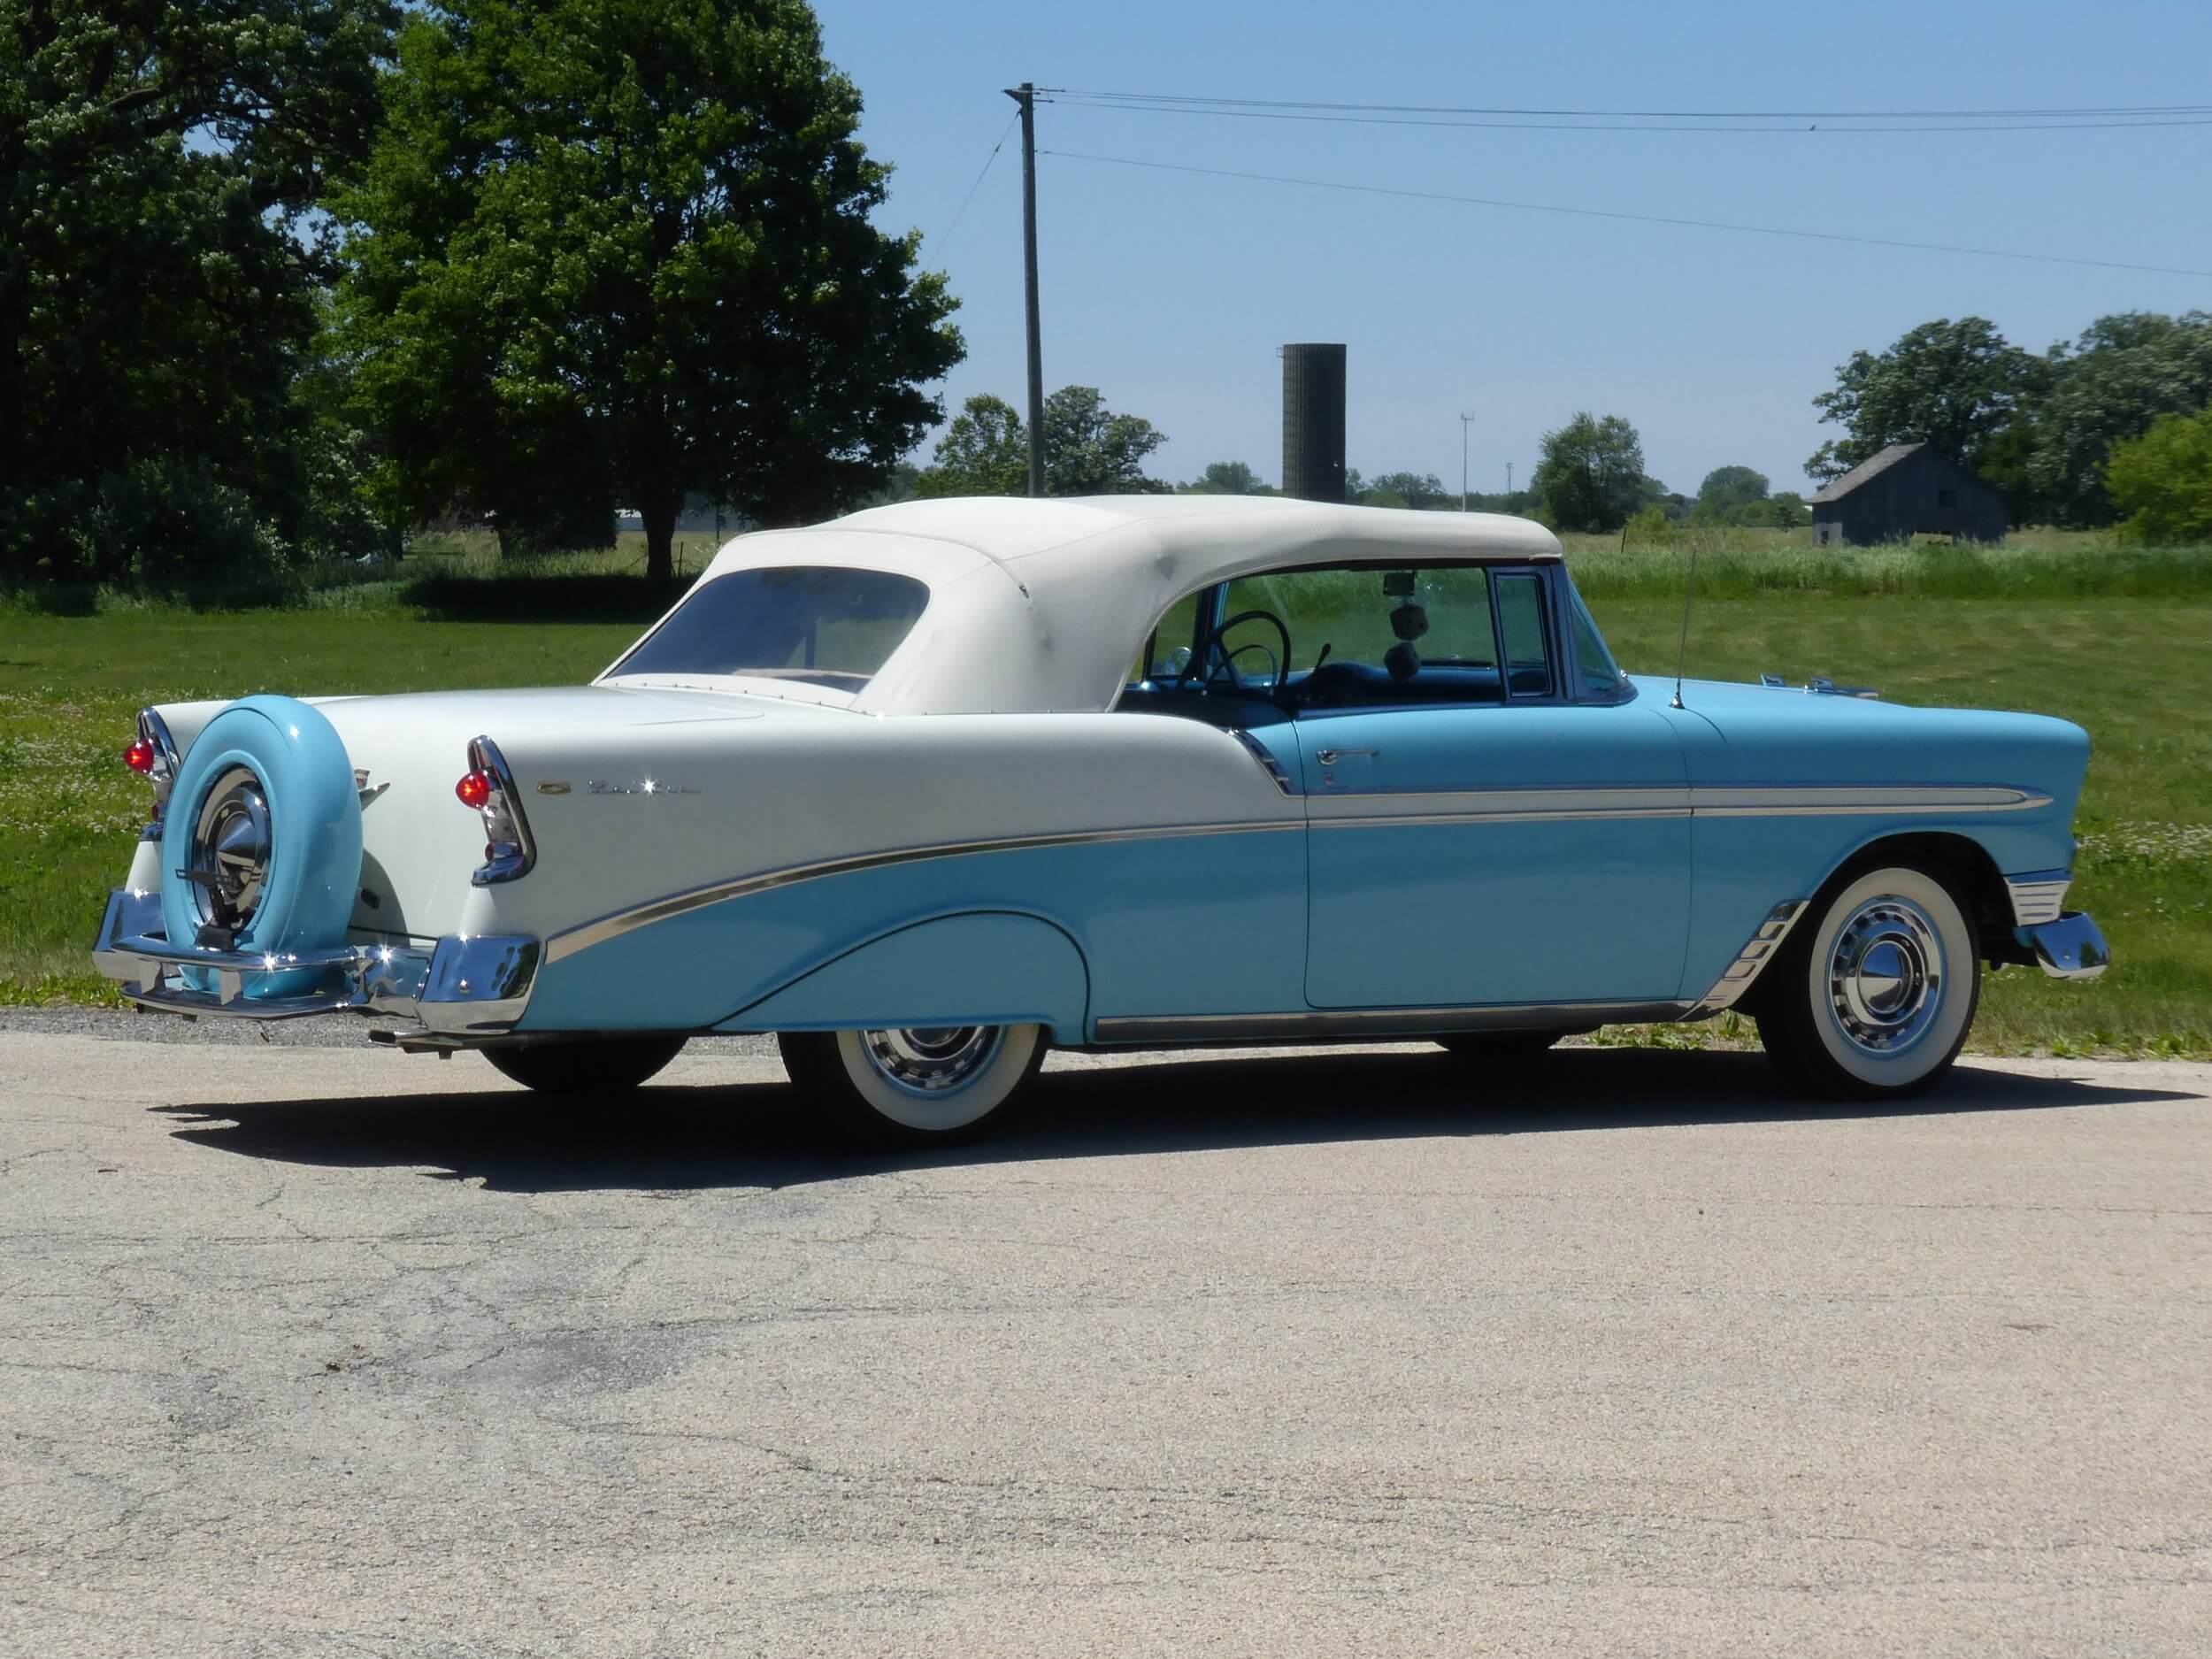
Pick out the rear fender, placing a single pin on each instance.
(990, 968)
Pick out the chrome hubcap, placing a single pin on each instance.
(1886, 976)
(230, 846)
(931, 1061)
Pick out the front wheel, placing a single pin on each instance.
(926, 1086)
(1875, 992)
(586, 1066)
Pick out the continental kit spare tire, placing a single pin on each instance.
(261, 845)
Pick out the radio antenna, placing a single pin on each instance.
(1682, 652)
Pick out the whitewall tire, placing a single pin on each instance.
(1874, 994)
(926, 1085)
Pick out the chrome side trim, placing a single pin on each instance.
(1355, 1024)
(1644, 800)
(2039, 897)
(1495, 806)
(1367, 810)
(1751, 961)
(564, 945)
(2070, 948)
(1851, 800)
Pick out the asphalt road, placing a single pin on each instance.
(311, 1350)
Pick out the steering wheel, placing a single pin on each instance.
(1216, 656)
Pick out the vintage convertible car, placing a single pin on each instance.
(930, 789)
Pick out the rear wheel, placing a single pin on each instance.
(923, 1086)
(585, 1066)
(1873, 997)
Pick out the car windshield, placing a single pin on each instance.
(819, 624)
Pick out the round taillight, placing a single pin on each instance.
(474, 789)
(140, 757)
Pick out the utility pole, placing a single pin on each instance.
(1509, 478)
(1026, 96)
(1465, 419)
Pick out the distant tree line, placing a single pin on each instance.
(2113, 426)
(1590, 476)
(280, 277)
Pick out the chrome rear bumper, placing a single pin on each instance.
(468, 987)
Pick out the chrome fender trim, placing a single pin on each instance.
(1751, 961)
(2038, 897)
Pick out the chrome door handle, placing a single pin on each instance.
(1330, 756)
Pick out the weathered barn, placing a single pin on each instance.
(1909, 489)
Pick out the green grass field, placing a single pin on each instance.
(2121, 642)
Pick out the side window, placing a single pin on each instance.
(1422, 634)
(1521, 630)
(1168, 652)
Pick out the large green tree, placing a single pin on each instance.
(1590, 475)
(159, 167)
(1227, 478)
(1727, 493)
(2161, 481)
(2110, 384)
(1089, 449)
(617, 251)
(1955, 384)
(984, 451)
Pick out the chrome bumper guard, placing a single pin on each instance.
(2070, 947)
(468, 987)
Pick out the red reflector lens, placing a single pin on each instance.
(474, 789)
(140, 756)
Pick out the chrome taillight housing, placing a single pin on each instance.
(488, 787)
(153, 755)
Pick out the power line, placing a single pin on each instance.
(1142, 98)
(1640, 218)
(1810, 125)
(938, 244)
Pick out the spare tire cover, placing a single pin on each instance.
(313, 867)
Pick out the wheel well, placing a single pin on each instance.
(1961, 863)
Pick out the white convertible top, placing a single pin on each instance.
(1040, 606)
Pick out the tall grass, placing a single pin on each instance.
(1742, 563)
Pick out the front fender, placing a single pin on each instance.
(991, 968)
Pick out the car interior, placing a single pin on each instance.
(1342, 637)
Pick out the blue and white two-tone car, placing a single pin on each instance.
(932, 788)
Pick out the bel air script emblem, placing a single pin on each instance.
(650, 786)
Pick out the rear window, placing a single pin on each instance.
(816, 624)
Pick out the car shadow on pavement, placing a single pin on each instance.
(760, 1134)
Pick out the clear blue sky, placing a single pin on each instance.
(1172, 292)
